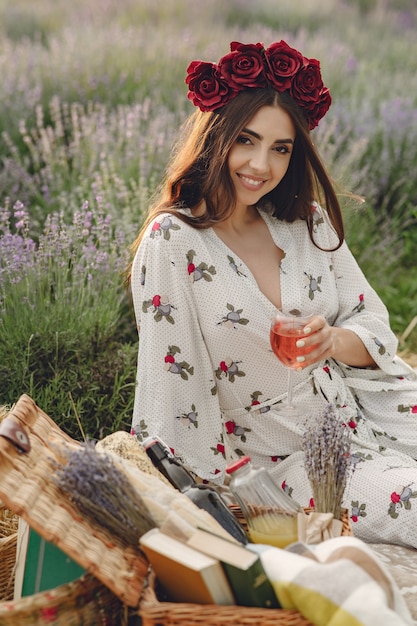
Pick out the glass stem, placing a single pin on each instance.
(289, 389)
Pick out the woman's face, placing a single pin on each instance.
(260, 157)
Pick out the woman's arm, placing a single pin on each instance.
(341, 344)
(360, 335)
(174, 398)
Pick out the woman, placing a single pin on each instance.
(238, 230)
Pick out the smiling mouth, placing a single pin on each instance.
(251, 181)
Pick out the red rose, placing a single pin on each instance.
(230, 427)
(223, 366)
(169, 359)
(156, 300)
(318, 110)
(282, 63)
(207, 89)
(243, 66)
(220, 448)
(414, 409)
(191, 268)
(307, 84)
(395, 497)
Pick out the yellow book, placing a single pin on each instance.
(186, 575)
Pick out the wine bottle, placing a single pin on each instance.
(204, 496)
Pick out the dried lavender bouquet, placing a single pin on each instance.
(102, 493)
(326, 445)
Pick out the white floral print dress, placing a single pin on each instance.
(208, 382)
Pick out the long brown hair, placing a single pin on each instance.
(198, 169)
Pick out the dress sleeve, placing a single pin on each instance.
(362, 311)
(174, 397)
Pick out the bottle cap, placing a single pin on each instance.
(149, 441)
(237, 464)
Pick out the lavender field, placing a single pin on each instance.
(92, 93)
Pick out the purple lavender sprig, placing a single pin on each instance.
(326, 445)
(103, 494)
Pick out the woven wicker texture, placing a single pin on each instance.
(8, 542)
(85, 601)
(27, 488)
(7, 564)
(156, 613)
(346, 525)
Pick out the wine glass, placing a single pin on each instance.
(286, 329)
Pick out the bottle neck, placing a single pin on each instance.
(177, 475)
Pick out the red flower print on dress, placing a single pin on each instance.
(236, 431)
(163, 228)
(401, 500)
(201, 271)
(228, 369)
(357, 511)
(219, 448)
(286, 488)
(161, 306)
(254, 403)
(177, 367)
(407, 408)
(361, 304)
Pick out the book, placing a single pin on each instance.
(186, 574)
(40, 565)
(243, 568)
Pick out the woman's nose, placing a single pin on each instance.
(259, 160)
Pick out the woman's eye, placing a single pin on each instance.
(244, 140)
(282, 149)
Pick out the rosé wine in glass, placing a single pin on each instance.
(283, 337)
(285, 331)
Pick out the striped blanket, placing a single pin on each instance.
(339, 582)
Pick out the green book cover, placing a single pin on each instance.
(243, 569)
(41, 565)
(251, 586)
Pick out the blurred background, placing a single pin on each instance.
(92, 94)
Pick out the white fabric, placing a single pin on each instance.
(208, 380)
(339, 582)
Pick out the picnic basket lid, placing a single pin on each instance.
(28, 488)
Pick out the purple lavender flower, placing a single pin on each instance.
(326, 445)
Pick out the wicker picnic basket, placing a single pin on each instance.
(8, 543)
(155, 611)
(115, 572)
(85, 601)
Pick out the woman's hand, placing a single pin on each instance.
(324, 342)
